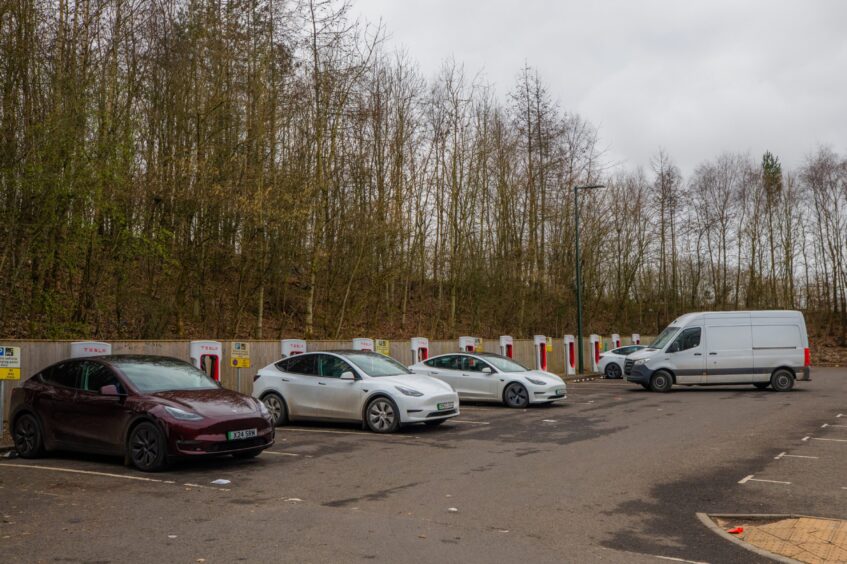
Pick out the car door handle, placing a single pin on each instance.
(285, 379)
(698, 354)
(433, 373)
(713, 354)
(321, 383)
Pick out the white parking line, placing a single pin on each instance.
(806, 438)
(786, 455)
(362, 434)
(833, 440)
(281, 453)
(750, 478)
(89, 472)
(839, 415)
(470, 422)
(825, 425)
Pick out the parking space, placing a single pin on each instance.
(614, 473)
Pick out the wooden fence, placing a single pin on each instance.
(36, 355)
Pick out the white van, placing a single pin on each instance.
(762, 348)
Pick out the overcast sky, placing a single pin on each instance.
(695, 77)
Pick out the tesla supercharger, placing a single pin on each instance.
(596, 343)
(469, 344)
(616, 341)
(290, 347)
(207, 355)
(420, 349)
(363, 344)
(540, 342)
(570, 354)
(507, 345)
(82, 349)
(636, 339)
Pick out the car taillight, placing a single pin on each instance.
(807, 357)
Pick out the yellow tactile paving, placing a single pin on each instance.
(805, 539)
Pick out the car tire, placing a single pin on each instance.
(661, 382)
(782, 380)
(27, 436)
(762, 385)
(276, 406)
(146, 448)
(435, 423)
(613, 371)
(382, 415)
(247, 454)
(515, 395)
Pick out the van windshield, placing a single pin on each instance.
(664, 337)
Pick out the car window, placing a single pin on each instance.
(68, 374)
(332, 367)
(447, 362)
(473, 364)
(300, 364)
(688, 339)
(96, 375)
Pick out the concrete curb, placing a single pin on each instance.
(706, 519)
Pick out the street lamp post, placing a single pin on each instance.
(576, 190)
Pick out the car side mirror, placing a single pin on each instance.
(487, 370)
(110, 390)
(348, 376)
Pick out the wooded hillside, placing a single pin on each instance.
(266, 168)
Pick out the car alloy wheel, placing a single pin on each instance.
(613, 371)
(276, 407)
(27, 437)
(147, 448)
(516, 395)
(382, 416)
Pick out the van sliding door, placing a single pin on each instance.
(730, 354)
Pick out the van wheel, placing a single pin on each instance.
(782, 380)
(762, 385)
(661, 382)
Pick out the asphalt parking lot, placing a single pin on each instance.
(615, 473)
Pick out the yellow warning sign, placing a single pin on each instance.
(382, 346)
(240, 355)
(549, 344)
(10, 363)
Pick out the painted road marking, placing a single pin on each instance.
(839, 415)
(786, 455)
(359, 433)
(825, 425)
(281, 453)
(806, 438)
(106, 474)
(833, 440)
(750, 478)
(470, 422)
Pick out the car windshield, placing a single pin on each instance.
(150, 375)
(377, 365)
(664, 337)
(504, 364)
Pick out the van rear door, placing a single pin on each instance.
(730, 352)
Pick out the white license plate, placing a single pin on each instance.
(445, 405)
(244, 434)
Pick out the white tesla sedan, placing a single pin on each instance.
(353, 386)
(491, 377)
(611, 362)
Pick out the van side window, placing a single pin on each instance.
(688, 339)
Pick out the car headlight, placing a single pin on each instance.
(408, 391)
(536, 382)
(640, 362)
(182, 415)
(263, 410)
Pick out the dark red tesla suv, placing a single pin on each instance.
(149, 409)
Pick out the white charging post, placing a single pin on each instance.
(616, 341)
(540, 342)
(507, 346)
(470, 344)
(290, 347)
(207, 355)
(84, 349)
(636, 339)
(363, 344)
(570, 354)
(420, 349)
(596, 344)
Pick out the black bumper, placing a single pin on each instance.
(639, 374)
